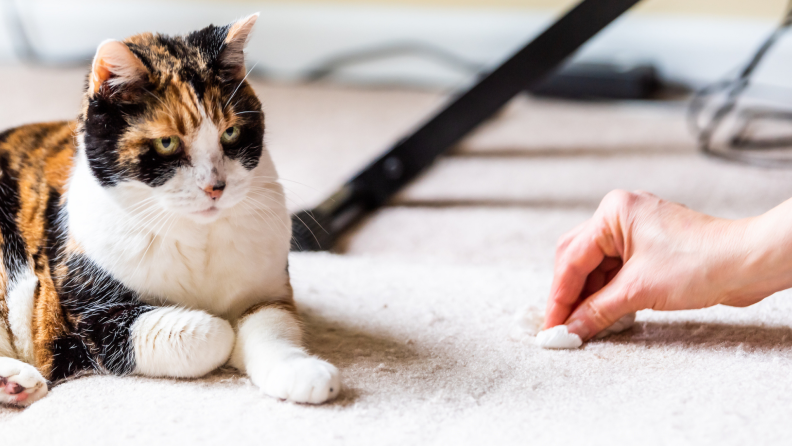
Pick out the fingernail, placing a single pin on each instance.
(579, 328)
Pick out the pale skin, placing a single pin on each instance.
(639, 252)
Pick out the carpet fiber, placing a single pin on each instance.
(416, 307)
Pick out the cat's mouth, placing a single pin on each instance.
(209, 212)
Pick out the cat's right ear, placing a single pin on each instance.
(115, 66)
(232, 58)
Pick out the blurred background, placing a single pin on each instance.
(342, 81)
(425, 43)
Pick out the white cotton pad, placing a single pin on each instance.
(528, 325)
(558, 337)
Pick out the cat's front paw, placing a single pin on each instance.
(303, 380)
(20, 383)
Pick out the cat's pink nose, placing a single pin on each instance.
(214, 191)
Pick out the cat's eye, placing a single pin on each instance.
(168, 145)
(231, 135)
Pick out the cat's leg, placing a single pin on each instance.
(269, 349)
(180, 343)
(126, 336)
(145, 340)
(20, 383)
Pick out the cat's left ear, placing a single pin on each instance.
(116, 66)
(232, 57)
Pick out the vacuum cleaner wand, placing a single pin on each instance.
(319, 228)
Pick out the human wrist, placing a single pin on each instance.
(722, 264)
(761, 257)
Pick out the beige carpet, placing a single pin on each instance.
(417, 307)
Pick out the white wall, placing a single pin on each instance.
(294, 37)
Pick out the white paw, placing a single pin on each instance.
(180, 343)
(20, 383)
(303, 380)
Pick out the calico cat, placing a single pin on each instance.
(151, 236)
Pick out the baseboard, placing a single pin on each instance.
(293, 38)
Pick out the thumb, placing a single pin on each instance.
(603, 308)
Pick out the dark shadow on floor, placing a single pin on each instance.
(363, 356)
(705, 335)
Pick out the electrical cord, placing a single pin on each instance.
(338, 62)
(731, 90)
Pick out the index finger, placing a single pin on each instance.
(573, 263)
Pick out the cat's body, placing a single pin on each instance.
(151, 236)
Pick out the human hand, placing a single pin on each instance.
(639, 251)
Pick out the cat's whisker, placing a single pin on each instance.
(300, 202)
(262, 205)
(133, 226)
(258, 211)
(155, 96)
(240, 84)
(285, 196)
(308, 213)
(139, 220)
(144, 221)
(297, 217)
(170, 110)
(148, 233)
(153, 238)
(131, 210)
(285, 179)
(264, 217)
(167, 231)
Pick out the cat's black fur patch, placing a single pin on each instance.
(105, 311)
(155, 170)
(70, 357)
(13, 247)
(5, 134)
(55, 230)
(105, 122)
(210, 41)
(247, 149)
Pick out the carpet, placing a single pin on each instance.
(416, 306)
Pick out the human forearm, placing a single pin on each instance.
(766, 263)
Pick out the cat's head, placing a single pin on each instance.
(172, 120)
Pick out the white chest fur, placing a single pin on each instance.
(222, 267)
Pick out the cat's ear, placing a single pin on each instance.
(232, 57)
(115, 65)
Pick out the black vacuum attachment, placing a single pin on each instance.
(319, 228)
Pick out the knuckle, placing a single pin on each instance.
(619, 196)
(598, 316)
(568, 268)
(617, 201)
(625, 205)
(644, 193)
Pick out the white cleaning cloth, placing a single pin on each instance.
(558, 337)
(528, 323)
